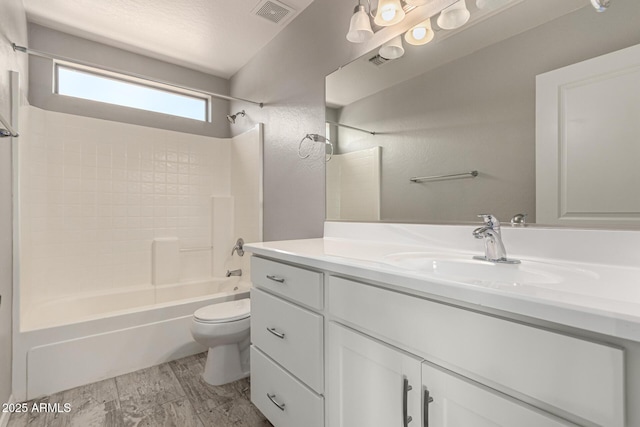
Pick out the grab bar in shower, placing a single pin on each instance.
(471, 174)
(8, 130)
(197, 249)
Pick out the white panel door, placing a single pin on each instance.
(366, 382)
(458, 402)
(588, 142)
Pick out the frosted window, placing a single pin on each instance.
(95, 87)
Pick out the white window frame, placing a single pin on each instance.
(57, 64)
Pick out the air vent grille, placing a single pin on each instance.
(378, 60)
(273, 11)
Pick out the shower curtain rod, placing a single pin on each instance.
(41, 54)
(350, 127)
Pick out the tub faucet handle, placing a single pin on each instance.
(239, 247)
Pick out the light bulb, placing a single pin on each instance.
(389, 13)
(419, 33)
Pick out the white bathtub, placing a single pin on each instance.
(77, 340)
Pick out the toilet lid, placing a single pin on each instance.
(224, 311)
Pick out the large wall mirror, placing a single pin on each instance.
(458, 116)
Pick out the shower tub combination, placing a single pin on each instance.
(99, 292)
(78, 340)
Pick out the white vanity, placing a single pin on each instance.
(395, 325)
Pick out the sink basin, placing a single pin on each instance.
(464, 268)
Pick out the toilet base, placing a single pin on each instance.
(224, 365)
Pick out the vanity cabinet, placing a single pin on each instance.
(287, 343)
(353, 353)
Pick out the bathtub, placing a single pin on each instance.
(72, 341)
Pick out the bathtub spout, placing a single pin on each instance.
(237, 272)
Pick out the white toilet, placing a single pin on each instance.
(224, 328)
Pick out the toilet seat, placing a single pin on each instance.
(224, 312)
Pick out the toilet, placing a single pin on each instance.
(224, 329)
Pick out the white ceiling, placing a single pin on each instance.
(214, 36)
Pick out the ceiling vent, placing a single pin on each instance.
(378, 60)
(274, 11)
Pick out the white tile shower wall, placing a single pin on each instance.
(96, 193)
(223, 220)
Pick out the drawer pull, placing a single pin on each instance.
(272, 398)
(275, 278)
(276, 333)
(405, 391)
(427, 399)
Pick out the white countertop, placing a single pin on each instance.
(594, 297)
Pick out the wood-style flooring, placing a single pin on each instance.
(171, 394)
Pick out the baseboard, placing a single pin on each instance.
(4, 416)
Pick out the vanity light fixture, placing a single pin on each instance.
(420, 34)
(360, 27)
(454, 16)
(389, 12)
(392, 49)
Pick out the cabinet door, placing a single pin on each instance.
(369, 383)
(458, 402)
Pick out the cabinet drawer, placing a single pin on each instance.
(272, 386)
(566, 375)
(296, 284)
(290, 335)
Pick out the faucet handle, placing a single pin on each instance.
(490, 221)
(519, 219)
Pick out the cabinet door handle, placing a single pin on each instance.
(427, 399)
(272, 398)
(275, 278)
(276, 333)
(405, 391)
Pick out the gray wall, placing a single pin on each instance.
(289, 73)
(41, 80)
(477, 112)
(13, 28)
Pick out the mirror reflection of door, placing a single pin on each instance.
(588, 141)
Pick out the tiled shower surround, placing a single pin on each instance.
(95, 193)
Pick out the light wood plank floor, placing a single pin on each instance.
(172, 394)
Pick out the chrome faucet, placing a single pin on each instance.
(494, 250)
(239, 247)
(237, 272)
